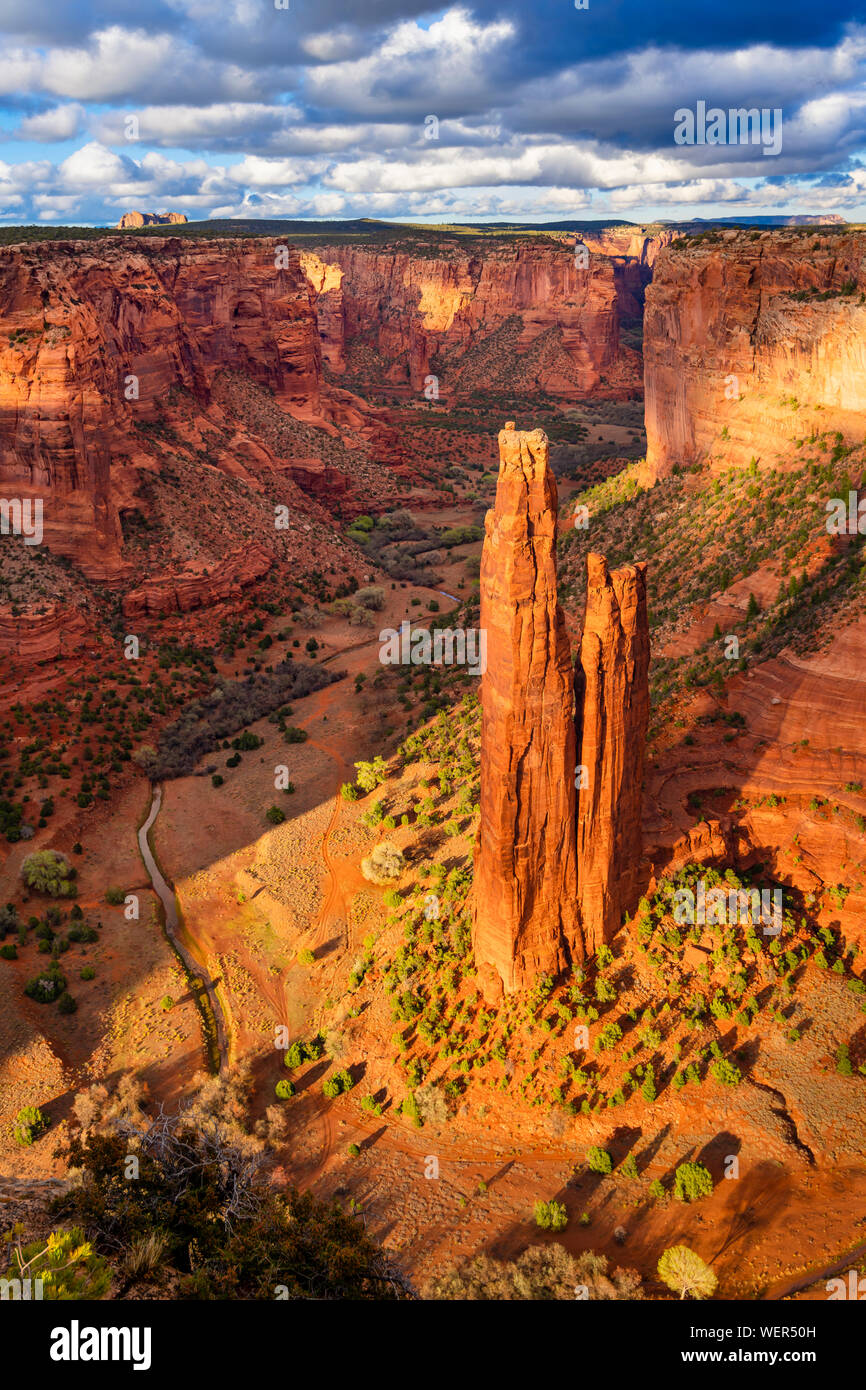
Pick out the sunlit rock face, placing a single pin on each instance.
(753, 341)
(525, 863)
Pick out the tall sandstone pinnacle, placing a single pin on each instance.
(525, 867)
(554, 868)
(611, 687)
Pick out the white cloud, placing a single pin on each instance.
(60, 123)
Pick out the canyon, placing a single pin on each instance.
(537, 821)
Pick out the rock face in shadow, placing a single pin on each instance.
(555, 868)
(525, 871)
(611, 716)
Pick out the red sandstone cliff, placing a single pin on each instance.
(751, 341)
(162, 595)
(96, 334)
(612, 713)
(515, 316)
(525, 873)
(35, 635)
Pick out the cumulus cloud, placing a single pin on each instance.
(242, 110)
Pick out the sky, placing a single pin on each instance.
(498, 110)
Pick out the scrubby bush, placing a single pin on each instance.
(551, 1216)
(29, 1124)
(598, 1160)
(372, 597)
(48, 871)
(541, 1272)
(384, 864)
(686, 1273)
(46, 987)
(692, 1181)
(275, 815)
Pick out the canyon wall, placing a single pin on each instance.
(753, 340)
(525, 872)
(521, 317)
(612, 713)
(96, 334)
(554, 869)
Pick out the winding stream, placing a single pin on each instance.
(213, 1020)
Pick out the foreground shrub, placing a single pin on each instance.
(692, 1181)
(29, 1124)
(686, 1273)
(551, 1216)
(66, 1265)
(203, 1181)
(385, 864)
(48, 871)
(541, 1272)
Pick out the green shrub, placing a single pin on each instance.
(285, 1089)
(87, 973)
(47, 987)
(692, 1181)
(65, 1264)
(551, 1216)
(29, 1124)
(275, 815)
(598, 1160)
(48, 871)
(66, 1004)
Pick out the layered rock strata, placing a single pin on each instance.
(753, 341)
(98, 333)
(516, 316)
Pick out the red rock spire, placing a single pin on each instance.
(525, 876)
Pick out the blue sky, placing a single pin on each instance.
(235, 108)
